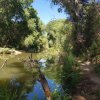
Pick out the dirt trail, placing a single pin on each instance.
(88, 69)
(89, 87)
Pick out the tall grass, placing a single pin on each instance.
(70, 75)
(10, 91)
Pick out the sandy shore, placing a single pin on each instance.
(15, 52)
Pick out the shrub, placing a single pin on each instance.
(58, 96)
(5, 51)
(70, 74)
(97, 69)
(10, 91)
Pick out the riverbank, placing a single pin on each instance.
(9, 51)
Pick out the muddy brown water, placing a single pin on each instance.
(14, 68)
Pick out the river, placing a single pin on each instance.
(14, 69)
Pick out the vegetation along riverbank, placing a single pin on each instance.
(54, 60)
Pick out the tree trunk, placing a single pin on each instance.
(45, 86)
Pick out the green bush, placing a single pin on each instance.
(5, 51)
(10, 92)
(70, 74)
(97, 69)
(58, 96)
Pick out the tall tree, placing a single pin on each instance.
(57, 31)
(19, 20)
(12, 21)
(78, 9)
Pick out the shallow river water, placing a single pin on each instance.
(14, 68)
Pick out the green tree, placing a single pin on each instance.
(19, 24)
(12, 23)
(57, 31)
(78, 10)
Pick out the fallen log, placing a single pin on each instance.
(45, 85)
(42, 78)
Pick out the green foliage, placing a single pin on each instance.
(58, 96)
(70, 74)
(86, 22)
(97, 69)
(9, 92)
(35, 40)
(29, 40)
(92, 32)
(12, 18)
(31, 24)
(19, 26)
(92, 24)
(57, 31)
(4, 50)
(93, 51)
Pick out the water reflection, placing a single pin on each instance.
(42, 63)
(15, 67)
(38, 93)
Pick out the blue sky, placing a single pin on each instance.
(46, 12)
